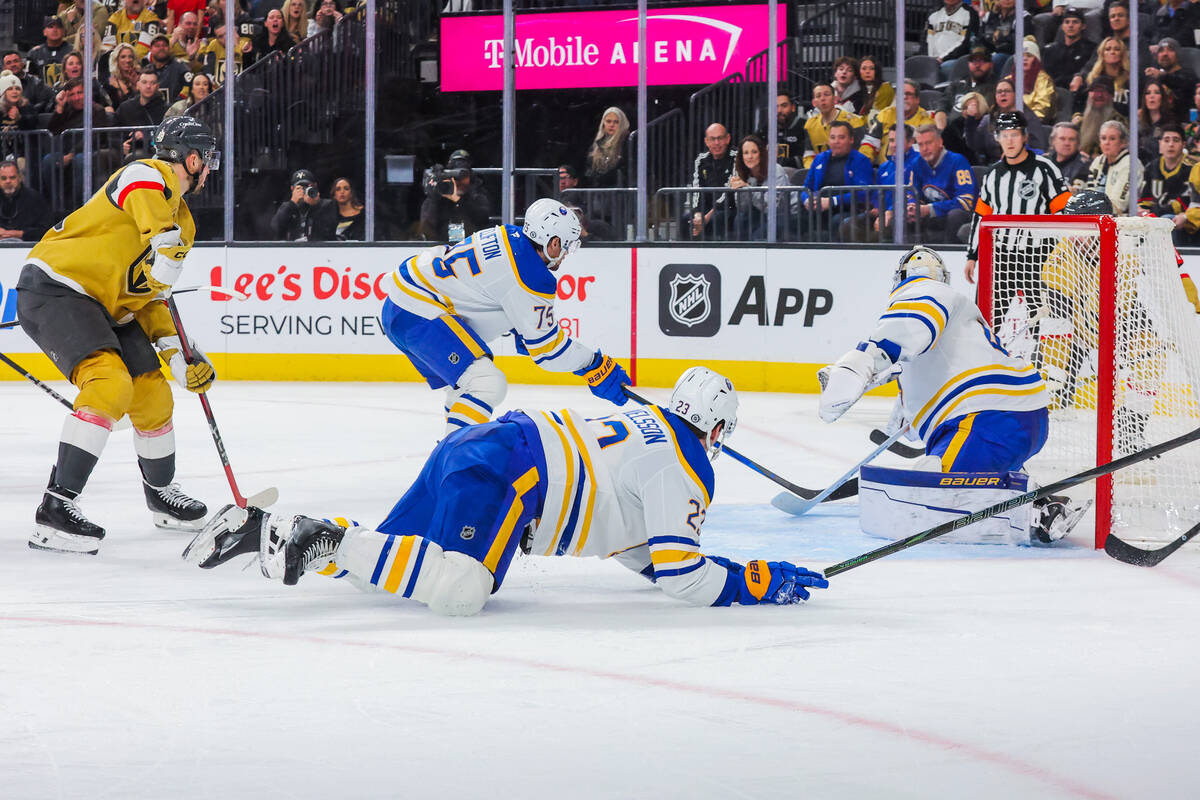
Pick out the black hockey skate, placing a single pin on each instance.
(172, 510)
(61, 526)
(231, 532)
(308, 544)
(1056, 517)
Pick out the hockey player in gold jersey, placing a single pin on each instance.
(90, 295)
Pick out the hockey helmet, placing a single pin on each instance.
(1010, 121)
(546, 219)
(702, 398)
(177, 137)
(920, 262)
(1088, 201)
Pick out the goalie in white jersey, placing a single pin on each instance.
(976, 408)
(445, 305)
(633, 486)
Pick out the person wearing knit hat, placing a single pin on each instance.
(15, 109)
(1038, 91)
(8, 81)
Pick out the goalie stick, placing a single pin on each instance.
(799, 491)
(899, 448)
(789, 504)
(262, 499)
(1125, 552)
(1013, 502)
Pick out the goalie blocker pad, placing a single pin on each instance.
(894, 503)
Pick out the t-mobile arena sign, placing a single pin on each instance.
(569, 50)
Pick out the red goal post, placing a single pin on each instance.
(1096, 303)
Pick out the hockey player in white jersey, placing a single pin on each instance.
(633, 486)
(977, 409)
(445, 305)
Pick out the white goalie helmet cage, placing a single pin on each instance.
(920, 262)
(546, 219)
(703, 398)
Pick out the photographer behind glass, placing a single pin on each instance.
(454, 206)
(305, 217)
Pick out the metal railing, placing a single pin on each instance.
(665, 136)
(613, 208)
(535, 182)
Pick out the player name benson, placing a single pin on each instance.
(573, 52)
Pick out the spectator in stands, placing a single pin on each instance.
(981, 78)
(1113, 63)
(826, 112)
(1156, 110)
(1071, 50)
(200, 88)
(949, 33)
(1064, 152)
(1178, 20)
(874, 143)
(607, 152)
(37, 93)
(145, 109)
(212, 51)
(998, 31)
(962, 128)
(305, 217)
(1118, 19)
(351, 222)
(1099, 110)
(72, 13)
(839, 165)
(72, 67)
(46, 59)
(878, 94)
(1165, 191)
(568, 177)
(1176, 77)
(68, 114)
(172, 75)
(324, 17)
(749, 170)
(593, 230)
(186, 41)
(1038, 94)
(123, 74)
(847, 91)
(458, 209)
(944, 194)
(295, 19)
(1110, 171)
(133, 24)
(16, 113)
(790, 132)
(24, 215)
(707, 214)
(273, 38)
(875, 223)
(982, 137)
(178, 9)
(1191, 130)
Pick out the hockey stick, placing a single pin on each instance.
(1014, 502)
(785, 502)
(119, 425)
(799, 491)
(10, 324)
(267, 496)
(1128, 554)
(899, 448)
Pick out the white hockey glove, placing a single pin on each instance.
(195, 377)
(846, 380)
(167, 251)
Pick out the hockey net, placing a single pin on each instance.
(1098, 305)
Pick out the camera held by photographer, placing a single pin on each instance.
(306, 216)
(455, 204)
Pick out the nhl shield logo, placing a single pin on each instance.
(689, 300)
(689, 304)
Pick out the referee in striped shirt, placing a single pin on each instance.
(1019, 183)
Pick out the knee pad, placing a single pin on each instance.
(152, 403)
(104, 384)
(480, 388)
(457, 586)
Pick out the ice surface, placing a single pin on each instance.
(944, 671)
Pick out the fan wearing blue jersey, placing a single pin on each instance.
(445, 305)
(634, 486)
(976, 408)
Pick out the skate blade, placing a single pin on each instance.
(55, 541)
(168, 523)
(202, 550)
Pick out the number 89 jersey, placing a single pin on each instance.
(495, 282)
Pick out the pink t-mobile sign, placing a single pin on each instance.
(568, 50)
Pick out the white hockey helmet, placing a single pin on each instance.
(920, 262)
(703, 398)
(546, 219)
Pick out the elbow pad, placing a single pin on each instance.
(167, 251)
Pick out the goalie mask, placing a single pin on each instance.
(702, 399)
(920, 262)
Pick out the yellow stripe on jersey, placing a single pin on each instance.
(542, 349)
(399, 564)
(520, 486)
(331, 568)
(908, 283)
(568, 490)
(949, 386)
(453, 324)
(678, 452)
(403, 286)
(585, 514)
(512, 260)
(468, 412)
(412, 270)
(659, 557)
(948, 412)
(956, 444)
(921, 307)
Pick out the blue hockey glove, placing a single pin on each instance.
(605, 378)
(777, 582)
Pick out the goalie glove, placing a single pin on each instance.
(196, 376)
(167, 251)
(845, 381)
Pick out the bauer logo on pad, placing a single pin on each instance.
(689, 300)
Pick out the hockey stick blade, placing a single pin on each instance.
(1128, 554)
(799, 505)
(264, 499)
(899, 448)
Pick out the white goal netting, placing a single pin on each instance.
(1101, 310)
